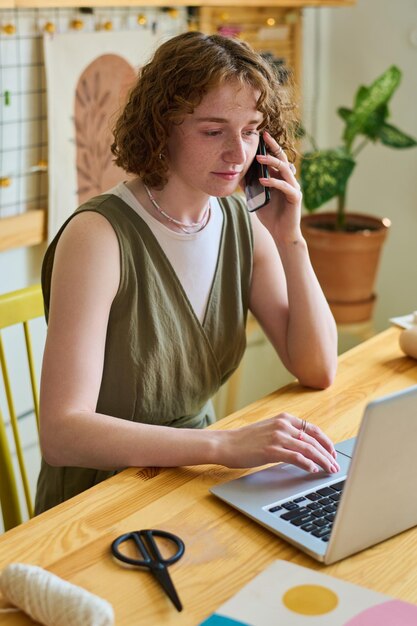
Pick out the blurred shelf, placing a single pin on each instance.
(31, 4)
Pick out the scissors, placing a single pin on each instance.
(152, 558)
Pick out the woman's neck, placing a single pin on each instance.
(179, 210)
(181, 204)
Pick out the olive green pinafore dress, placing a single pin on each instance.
(161, 364)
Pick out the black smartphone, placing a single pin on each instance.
(256, 194)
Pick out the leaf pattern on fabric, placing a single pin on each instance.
(100, 93)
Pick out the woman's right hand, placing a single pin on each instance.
(276, 439)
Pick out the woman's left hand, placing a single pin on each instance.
(281, 216)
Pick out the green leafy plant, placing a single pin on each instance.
(325, 173)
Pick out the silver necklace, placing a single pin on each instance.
(189, 229)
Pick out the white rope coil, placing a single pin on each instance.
(52, 601)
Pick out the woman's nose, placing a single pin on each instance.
(234, 151)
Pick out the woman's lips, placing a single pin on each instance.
(227, 175)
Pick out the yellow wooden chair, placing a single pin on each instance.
(17, 307)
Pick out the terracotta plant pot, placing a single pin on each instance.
(346, 262)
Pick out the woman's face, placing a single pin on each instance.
(211, 150)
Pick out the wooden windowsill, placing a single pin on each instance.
(26, 229)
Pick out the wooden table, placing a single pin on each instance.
(224, 549)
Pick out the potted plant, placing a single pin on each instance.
(344, 246)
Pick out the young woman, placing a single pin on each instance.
(147, 287)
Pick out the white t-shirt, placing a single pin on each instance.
(192, 256)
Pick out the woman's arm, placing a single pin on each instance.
(286, 297)
(85, 280)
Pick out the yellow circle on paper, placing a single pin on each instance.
(310, 600)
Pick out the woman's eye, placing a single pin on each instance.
(248, 133)
(212, 133)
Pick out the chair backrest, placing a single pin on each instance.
(17, 307)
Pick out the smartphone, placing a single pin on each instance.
(256, 194)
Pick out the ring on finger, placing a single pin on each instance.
(303, 429)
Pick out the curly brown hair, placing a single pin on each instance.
(172, 85)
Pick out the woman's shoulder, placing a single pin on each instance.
(85, 238)
(85, 226)
(88, 238)
(88, 224)
(106, 204)
(92, 221)
(85, 251)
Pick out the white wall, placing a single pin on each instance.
(354, 45)
(20, 267)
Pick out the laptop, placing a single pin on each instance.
(331, 516)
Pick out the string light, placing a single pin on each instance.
(77, 24)
(49, 27)
(9, 29)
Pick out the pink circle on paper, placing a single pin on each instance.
(391, 613)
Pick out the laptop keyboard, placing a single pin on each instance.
(313, 512)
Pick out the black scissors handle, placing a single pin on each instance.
(151, 557)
